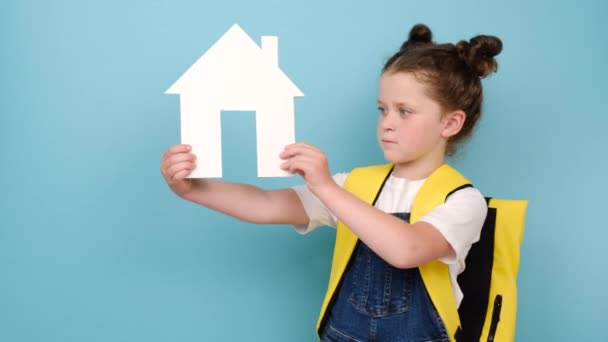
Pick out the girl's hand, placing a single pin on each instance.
(177, 163)
(310, 163)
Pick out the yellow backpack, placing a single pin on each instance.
(489, 281)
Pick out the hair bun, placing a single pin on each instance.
(420, 34)
(479, 53)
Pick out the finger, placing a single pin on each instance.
(301, 149)
(290, 145)
(309, 158)
(289, 167)
(177, 168)
(301, 163)
(182, 174)
(177, 158)
(304, 146)
(179, 148)
(180, 157)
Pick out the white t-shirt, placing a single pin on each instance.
(459, 219)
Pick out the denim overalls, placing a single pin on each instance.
(377, 302)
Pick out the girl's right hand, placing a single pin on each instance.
(177, 163)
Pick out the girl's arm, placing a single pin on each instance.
(401, 244)
(242, 201)
(249, 203)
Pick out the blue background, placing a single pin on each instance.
(95, 247)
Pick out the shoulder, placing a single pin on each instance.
(468, 199)
(373, 168)
(463, 205)
(371, 171)
(460, 219)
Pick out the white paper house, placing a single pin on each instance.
(235, 74)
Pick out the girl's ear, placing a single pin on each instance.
(452, 123)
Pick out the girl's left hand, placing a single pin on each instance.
(310, 163)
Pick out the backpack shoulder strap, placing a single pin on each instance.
(435, 274)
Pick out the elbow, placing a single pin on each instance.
(404, 258)
(403, 263)
(263, 211)
(262, 217)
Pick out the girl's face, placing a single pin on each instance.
(410, 127)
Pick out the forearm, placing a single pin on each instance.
(249, 203)
(242, 201)
(384, 233)
(401, 244)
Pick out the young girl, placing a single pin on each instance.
(429, 100)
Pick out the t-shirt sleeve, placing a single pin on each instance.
(460, 220)
(318, 214)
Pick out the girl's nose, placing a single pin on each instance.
(386, 122)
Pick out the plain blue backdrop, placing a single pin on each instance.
(95, 247)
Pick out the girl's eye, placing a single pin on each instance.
(404, 112)
(381, 110)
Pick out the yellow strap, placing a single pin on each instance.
(435, 274)
(373, 177)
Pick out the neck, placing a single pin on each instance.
(418, 169)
